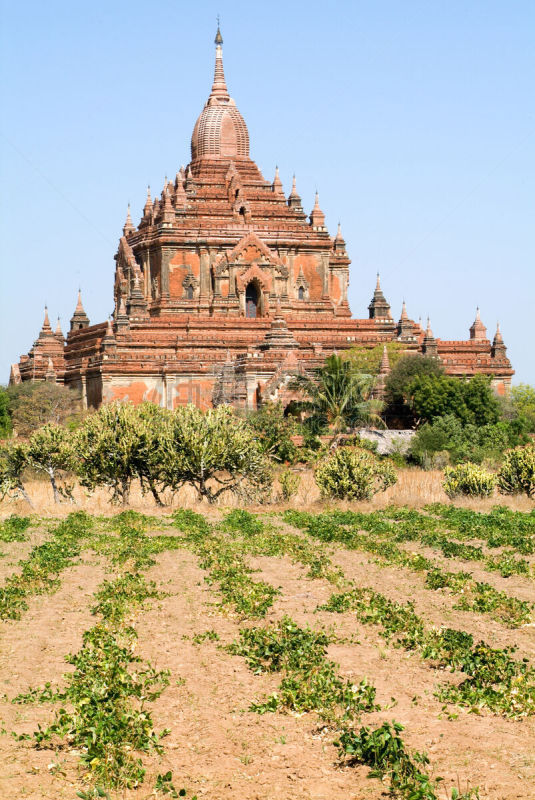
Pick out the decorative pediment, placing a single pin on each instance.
(254, 273)
(252, 240)
(190, 280)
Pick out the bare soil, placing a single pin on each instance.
(217, 748)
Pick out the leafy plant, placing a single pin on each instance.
(468, 479)
(354, 474)
(289, 482)
(517, 474)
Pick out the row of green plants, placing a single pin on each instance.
(410, 525)
(41, 569)
(476, 596)
(515, 476)
(495, 681)
(104, 711)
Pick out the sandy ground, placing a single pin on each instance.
(217, 748)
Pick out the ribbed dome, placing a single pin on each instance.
(220, 130)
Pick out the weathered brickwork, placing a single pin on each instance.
(226, 288)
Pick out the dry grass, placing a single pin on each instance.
(415, 488)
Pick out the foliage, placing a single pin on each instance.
(310, 681)
(460, 442)
(32, 405)
(495, 681)
(354, 474)
(384, 751)
(13, 462)
(5, 419)
(110, 446)
(517, 474)
(13, 528)
(468, 479)
(289, 482)
(472, 401)
(273, 432)
(404, 371)
(523, 402)
(368, 359)
(50, 451)
(213, 447)
(40, 570)
(338, 396)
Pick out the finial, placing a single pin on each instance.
(378, 284)
(58, 328)
(46, 321)
(79, 306)
(218, 38)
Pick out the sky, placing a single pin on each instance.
(414, 120)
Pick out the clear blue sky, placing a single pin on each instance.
(415, 120)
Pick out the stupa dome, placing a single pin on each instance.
(220, 131)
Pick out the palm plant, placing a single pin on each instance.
(338, 396)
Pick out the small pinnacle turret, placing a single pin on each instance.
(317, 217)
(379, 308)
(294, 200)
(478, 331)
(277, 184)
(128, 226)
(79, 319)
(429, 345)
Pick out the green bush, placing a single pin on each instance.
(448, 435)
(517, 475)
(289, 483)
(354, 474)
(468, 479)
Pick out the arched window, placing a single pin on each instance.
(251, 301)
(189, 292)
(301, 293)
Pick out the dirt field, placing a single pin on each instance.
(219, 749)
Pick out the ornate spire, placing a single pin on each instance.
(58, 333)
(379, 308)
(147, 208)
(46, 329)
(128, 225)
(276, 186)
(294, 201)
(317, 217)
(498, 349)
(477, 330)
(79, 319)
(429, 345)
(219, 86)
(405, 329)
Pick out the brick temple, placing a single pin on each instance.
(227, 288)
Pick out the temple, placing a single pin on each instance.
(226, 288)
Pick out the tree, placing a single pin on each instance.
(472, 401)
(397, 408)
(273, 431)
(523, 402)
(338, 396)
(32, 405)
(13, 462)
(50, 451)
(213, 447)
(109, 447)
(5, 419)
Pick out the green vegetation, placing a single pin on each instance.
(310, 681)
(468, 479)
(517, 474)
(384, 751)
(31, 405)
(355, 474)
(41, 569)
(13, 528)
(495, 681)
(398, 410)
(337, 396)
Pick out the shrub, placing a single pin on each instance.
(354, 474)
(468, 479)
(289, 483)
(517, 475)
(273, 432)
